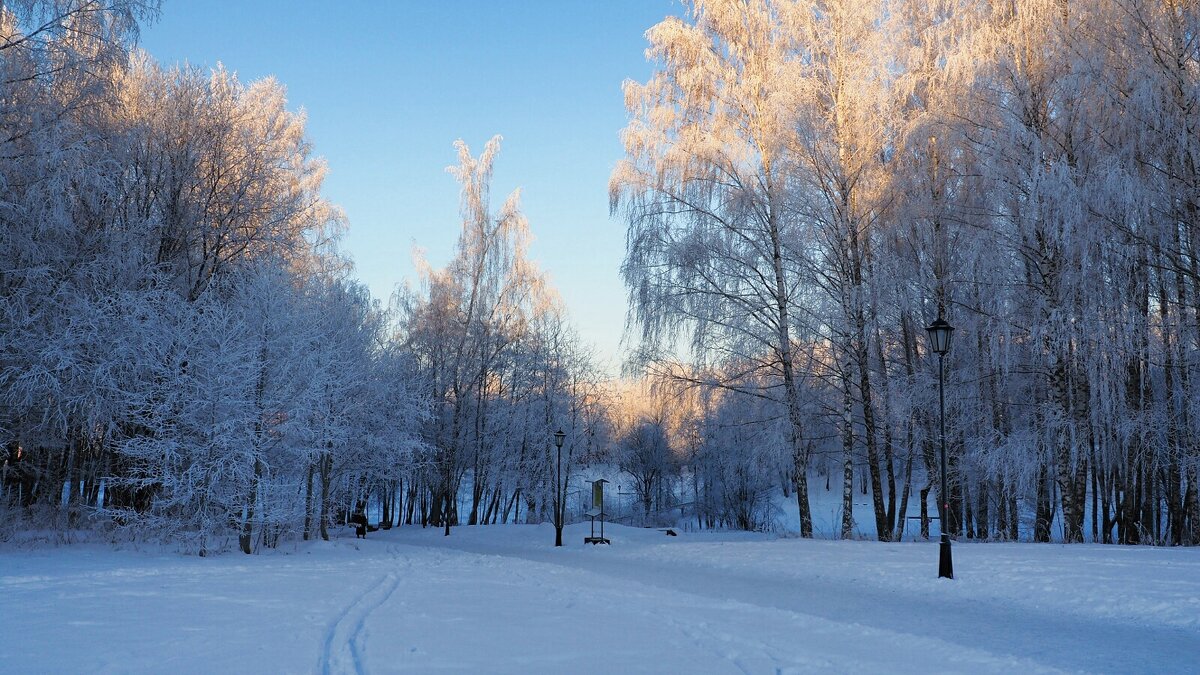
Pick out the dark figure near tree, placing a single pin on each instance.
(359, 519)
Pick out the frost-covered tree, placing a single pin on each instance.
(184, 353)
(704, 189)
(221, 171)
(496, 355)
(1024, 169)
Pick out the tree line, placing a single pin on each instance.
(807, 185)
(185, 354)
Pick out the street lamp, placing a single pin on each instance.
(558, 496)
(939, 340)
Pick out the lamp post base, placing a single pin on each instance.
(945, 563)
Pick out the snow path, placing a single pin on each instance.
(567, 617)
(1045, 635)
(1049, 635)
(504, 600)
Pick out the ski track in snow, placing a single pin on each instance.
(343, 649)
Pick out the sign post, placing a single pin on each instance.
(597, 511)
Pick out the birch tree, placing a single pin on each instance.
(703, 189)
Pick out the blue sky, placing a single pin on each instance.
(389, 86)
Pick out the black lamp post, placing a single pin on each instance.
(558, 496)
(939, 340)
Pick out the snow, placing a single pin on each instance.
(502, 599)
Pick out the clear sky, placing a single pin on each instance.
(388, 86)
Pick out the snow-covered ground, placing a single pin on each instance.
(502, 599)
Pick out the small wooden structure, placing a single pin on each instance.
(597, 511)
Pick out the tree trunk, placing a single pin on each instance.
(246, 537)
(968, 518)
(955, 503)
(1001, 509)
(982, 512)
(883, 528)
(902, 518)
(1191, 501)
(326, 475)
(889, 446)
(1014, 517)
(1045, 506)
(925, 512)
(784, 345)
(847, 459)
